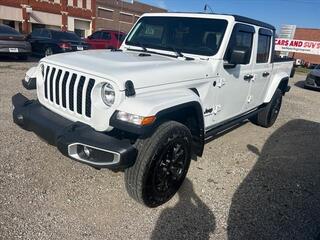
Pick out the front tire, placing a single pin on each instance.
(267, 117)
(162, 164)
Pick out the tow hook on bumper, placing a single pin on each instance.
(73, 139)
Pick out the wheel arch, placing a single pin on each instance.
(281, 82)
(183, 106)
(190, 114)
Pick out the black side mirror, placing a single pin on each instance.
(89, 37)
(238, 56)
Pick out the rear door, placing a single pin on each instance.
(262, 67)
(234, 83)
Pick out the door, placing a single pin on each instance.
(94, 40)
(106, 40)
(262, 68)
(234, 80)
(33, 39)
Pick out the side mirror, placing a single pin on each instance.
(238, 56)
(89, 37)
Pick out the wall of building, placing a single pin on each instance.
(57, 14)
(120, 15)
(310, 35)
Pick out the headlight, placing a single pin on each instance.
(135, 119)
(108, 94)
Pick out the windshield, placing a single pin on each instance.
(198, 36)
(317, 67)
(65, 36)
(5, 30)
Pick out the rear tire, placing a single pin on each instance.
(162, 164)
(267, 117)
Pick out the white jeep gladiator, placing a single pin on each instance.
(148, 107)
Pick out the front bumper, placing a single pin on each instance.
(70, 137)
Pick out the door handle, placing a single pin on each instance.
(248, 77)
(265, 74)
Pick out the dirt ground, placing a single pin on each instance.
(251, 183)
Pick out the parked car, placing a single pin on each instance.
(12, 43)
(46, 42)
(105, 39)
(178, 79)
(313, 79)
(310, 65)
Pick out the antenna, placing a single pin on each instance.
(206, 7)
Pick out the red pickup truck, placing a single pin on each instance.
(105, 39)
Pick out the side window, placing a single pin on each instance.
(45, 33)
(96, 35)
(264, 42)
(241, 40)
(105, 36)
(36, 33)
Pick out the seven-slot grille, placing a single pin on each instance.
(70, 90)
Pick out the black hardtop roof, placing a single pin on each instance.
(252, 21)
(239, 18)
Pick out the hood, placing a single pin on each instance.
(144, 71)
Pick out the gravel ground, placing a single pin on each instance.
(251, 183)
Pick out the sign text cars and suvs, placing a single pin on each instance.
(294, 45)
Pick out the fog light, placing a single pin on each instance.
(87, 151)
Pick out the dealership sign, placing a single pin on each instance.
(299, 46)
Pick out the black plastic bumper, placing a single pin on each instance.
(60, 132)
(31, 84)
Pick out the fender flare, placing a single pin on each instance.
(172, 107)
(278, 80)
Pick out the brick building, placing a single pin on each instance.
(71, 15)
(309, 34)
(121, 15)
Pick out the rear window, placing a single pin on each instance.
(5, 30)
(65, 36)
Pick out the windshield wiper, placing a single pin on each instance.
(179, 53)
(144, 49)
(142, 46)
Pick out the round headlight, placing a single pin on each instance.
(108, 94)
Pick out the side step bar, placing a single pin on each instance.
(230, 123)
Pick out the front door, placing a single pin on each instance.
(234, 82)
